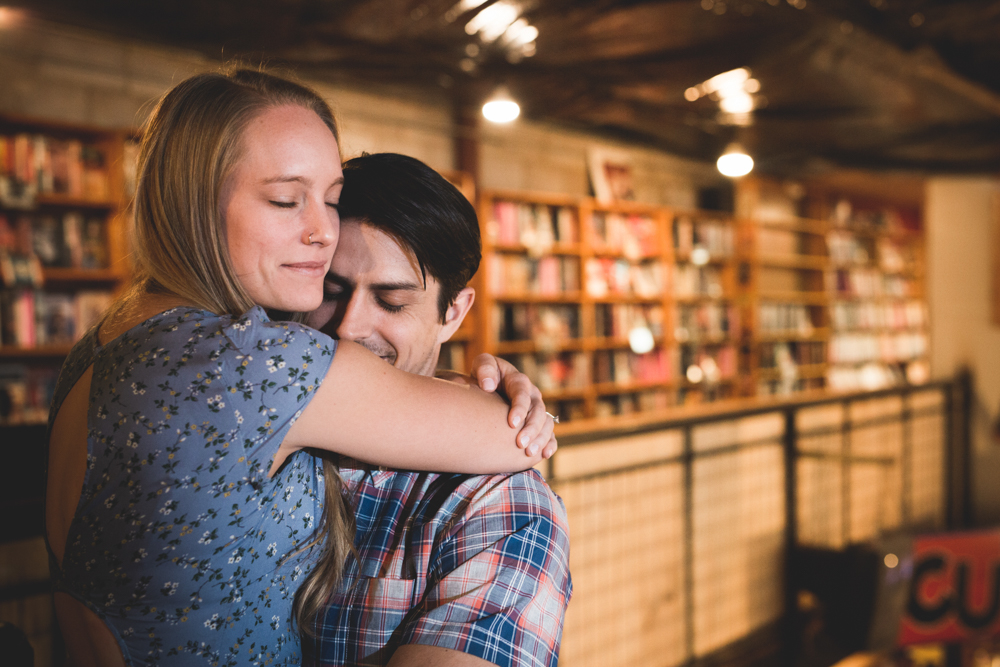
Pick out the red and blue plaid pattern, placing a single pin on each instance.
(478, 564)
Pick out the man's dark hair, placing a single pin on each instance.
(405, 198)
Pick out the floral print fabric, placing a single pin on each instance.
(180, 542)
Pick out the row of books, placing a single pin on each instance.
(634, 402)
(782, 387)
(625, 367)
(894, 257)
(713, 236)
(708, 366)
(800, 353)
(511, 275)
(452, 357)
(33, 164)
(535, 226)
(634, 236)
(26, 393)
(697, 281)
(782, 242)
(869, 377)
(553, 372)
(706, 320)
(845, 248)
(886, 220)
(620, 319)
(860, 282)
(855, 315)
(70, 240)
(547, 325)
(31, 318)
(855, 348)
(618, 277)
(784, 318)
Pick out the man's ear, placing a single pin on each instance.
(456, 312)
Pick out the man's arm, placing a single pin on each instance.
(500, 571)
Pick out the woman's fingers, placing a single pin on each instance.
(550, 447)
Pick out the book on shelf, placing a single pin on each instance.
(620, 319)
(697, 281)
(36, 164)
(452, 357)
(536, 226)
(31, 318)
(784, 318)
(634, 236)
(69, 240)
(800, 353)
(714, 236)
(625, 366)
(547, 325)
(25, 393)
(618, 277)
(857, 348)
(873, 315)
(847, 249)
(712, 364)
(697, 322)
(634, 402)
(553, 372)
(514, 274)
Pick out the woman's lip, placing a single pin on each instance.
(310, 268)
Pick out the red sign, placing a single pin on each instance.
(955, 588)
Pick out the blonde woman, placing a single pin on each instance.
(180, 504)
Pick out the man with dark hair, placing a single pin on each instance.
(450, 569)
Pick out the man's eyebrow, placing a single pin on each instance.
(400, 285)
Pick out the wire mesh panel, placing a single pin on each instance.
(819, 510)
(738, 524)
(679, 535)
(819, 466)
(627, 536)
(926, 488)
(875, 499)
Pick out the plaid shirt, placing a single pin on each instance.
(478, 564)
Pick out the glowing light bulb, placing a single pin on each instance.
(501, 111)
(734, 162)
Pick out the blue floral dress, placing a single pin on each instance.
(180, 542)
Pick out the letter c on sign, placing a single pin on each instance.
(917, 611)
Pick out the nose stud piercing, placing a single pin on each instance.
(310, 239)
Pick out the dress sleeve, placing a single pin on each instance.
(272, 372)
(499, 583)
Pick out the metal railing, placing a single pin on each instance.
(680, 527)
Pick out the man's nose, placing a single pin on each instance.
(357, 322)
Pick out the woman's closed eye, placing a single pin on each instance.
(284, 204)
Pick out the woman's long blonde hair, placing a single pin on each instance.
(191, 144)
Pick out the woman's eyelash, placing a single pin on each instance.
(284, 204)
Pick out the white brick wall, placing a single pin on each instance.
(69, 74)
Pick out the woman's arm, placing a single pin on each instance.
(373, 412)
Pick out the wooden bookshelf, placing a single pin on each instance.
(742, 304)
(621, 268)
(62, 213)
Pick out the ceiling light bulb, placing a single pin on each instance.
(501, 108)
(734, 162)
(739, 102)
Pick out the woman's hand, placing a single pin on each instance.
(526, 405)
